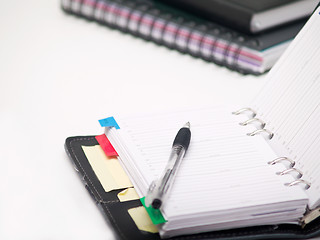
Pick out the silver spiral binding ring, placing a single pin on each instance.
(259, 131)
(252, 120)
(242, 110)
(280, 159)
(289, 171)
(296, 182)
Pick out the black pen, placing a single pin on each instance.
(158, 190)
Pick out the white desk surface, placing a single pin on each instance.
(58, 76)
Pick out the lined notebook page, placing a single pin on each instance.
(290, 104)
(223, 167)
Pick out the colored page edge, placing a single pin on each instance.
(155, 214)
(106, 145)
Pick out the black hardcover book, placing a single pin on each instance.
(249, 16)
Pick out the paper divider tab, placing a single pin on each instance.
(109, 122)
(106, 145)
(155, 214)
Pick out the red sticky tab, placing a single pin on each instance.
(106, 145)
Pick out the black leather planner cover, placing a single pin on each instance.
(117, 216)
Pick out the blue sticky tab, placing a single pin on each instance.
(109, 122)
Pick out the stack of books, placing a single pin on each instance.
(180, 30)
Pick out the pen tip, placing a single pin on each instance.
(187, 125)
(156, 204)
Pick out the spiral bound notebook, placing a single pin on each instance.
(263, 171)
(164, 25)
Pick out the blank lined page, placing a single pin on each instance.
(290, 104)
(223, 168)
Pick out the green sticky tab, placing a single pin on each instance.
(154, 214)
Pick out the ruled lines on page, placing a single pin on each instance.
(223, 168)
(290, 104)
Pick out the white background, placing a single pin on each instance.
(58, 76)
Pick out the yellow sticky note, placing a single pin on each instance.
(127, 195)
(108, 170)
(142, 219)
